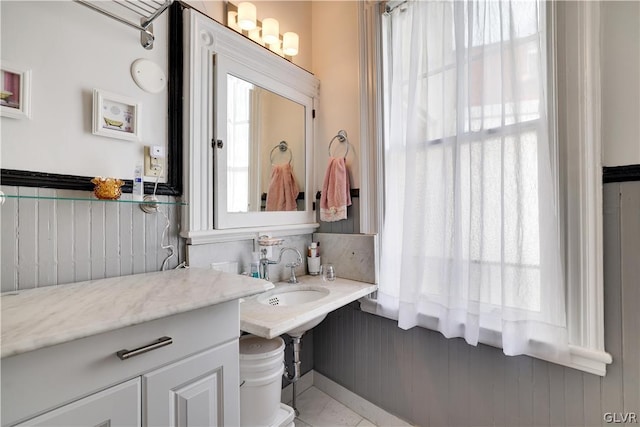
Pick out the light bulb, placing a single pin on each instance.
(270, 30)
(247, 16)
(290, 44)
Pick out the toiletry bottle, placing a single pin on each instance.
(138, 183)
(255, 265)
(313, 250)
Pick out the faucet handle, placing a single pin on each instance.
(292, 266)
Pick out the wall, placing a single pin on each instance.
(50, 242)
(620, 82)
(431, 381)
(281, 119)
(71, 50)
(336, 64)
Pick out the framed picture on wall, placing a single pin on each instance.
(15, 91)
(115, 116)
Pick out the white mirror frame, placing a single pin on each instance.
(209, 43)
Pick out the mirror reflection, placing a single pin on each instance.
(265, 151)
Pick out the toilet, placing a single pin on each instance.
(261, 369)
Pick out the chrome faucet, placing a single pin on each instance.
(264, 265)
(265, 262)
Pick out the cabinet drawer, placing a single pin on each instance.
(41, 380)
(116, 406)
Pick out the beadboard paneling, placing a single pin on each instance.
(50, 242)
(429, 380)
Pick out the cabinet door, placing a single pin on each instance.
(201, 390)
(116, 406)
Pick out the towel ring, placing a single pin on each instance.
(342, 137)
(282, 146)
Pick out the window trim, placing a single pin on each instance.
(585, 296)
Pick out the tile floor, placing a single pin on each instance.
(319, 409)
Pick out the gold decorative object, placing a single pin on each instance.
(111, 122)
(107, 188)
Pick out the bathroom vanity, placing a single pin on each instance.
(149, 349)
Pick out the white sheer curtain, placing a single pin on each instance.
(470, 244)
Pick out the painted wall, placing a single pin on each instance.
(71, 50)
(281, 119)
(336, 64)
(429, 380)
(620, 82)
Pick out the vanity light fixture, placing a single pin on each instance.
(270, 30)
(247, 15)
(232, 20)
(290, 42)
(242, 18)
(275, 47)
(255, 36)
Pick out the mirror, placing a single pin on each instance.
(266, 150)
(247, 113)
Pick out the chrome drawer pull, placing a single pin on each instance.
(160, 342)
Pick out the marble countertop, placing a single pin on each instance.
(271, 321)
(36, 318)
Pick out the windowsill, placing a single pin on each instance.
(585, 359)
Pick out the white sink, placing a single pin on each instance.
(295, 308)
(295, 295)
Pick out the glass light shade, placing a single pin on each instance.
(255, 36)
(275, 47)
(290, 42)
(247, 15)
(270, 30)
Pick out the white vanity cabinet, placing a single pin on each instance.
(192, 381)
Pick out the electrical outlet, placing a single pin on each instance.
(154, 163)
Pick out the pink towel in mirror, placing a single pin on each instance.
(283, 189)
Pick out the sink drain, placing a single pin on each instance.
(274, 301)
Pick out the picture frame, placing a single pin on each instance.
(115, 116)
(15, 91)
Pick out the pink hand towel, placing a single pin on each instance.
(336, 192)
(283, 189)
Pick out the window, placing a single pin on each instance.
(238, 130)
(470, 199)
